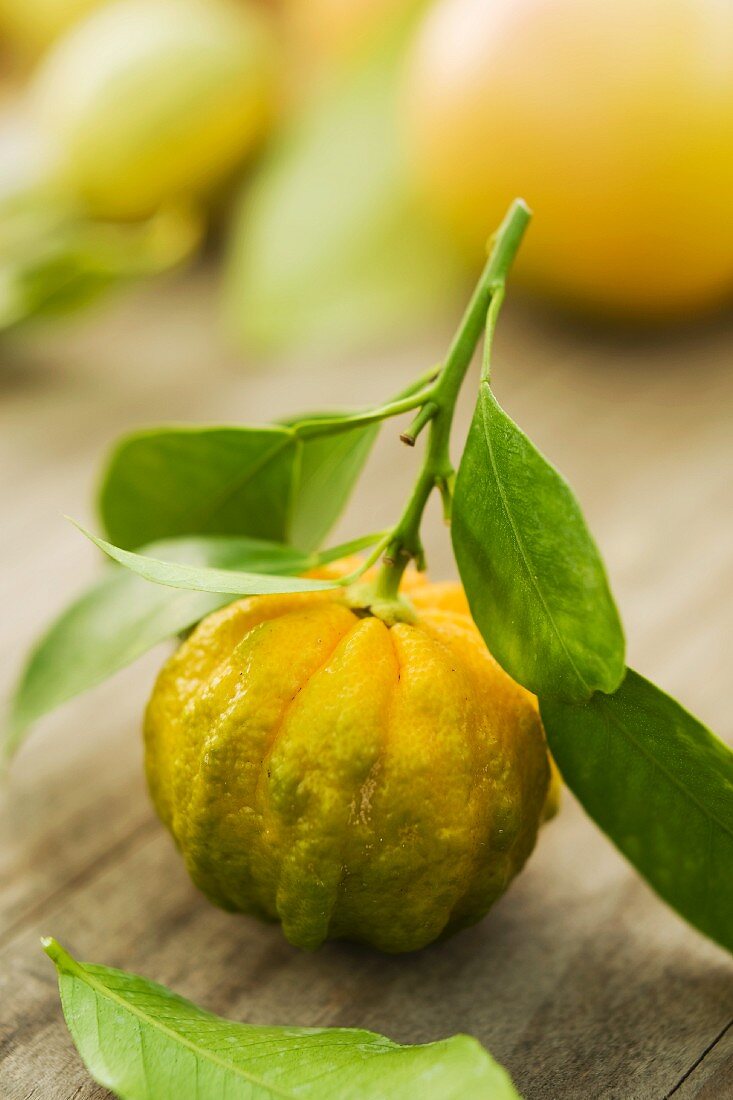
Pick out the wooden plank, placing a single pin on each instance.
(579, 980)
(710, 1077)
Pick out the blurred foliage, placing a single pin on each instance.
(396, 132)
(128, 124)
(53, 260)
(330, 250)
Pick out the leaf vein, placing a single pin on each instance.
(100, 989)
(524, 556)
(670, 776)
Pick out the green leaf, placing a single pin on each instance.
(329, 469)
(122, 616)
(330, 248)
(233, 582)
(55, 261)
(140, 1040)
(262, 482)
(661, 786)
(192, 481)
(533, 575)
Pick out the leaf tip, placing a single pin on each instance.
(75, 523)
(98, 542)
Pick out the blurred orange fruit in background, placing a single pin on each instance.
(613, 120)
(149, 101)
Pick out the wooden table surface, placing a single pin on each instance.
(580, 981)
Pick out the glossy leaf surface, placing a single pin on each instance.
(329, 469)
(661, 786)
(261, 482)
(202, 578)
(140, 1040)
(533, 575)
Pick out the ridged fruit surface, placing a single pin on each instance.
(349, 778)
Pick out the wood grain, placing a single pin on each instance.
(580, 980)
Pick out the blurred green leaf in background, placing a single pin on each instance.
(54, 260)
(330, 249)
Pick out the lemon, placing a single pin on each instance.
(349, 778)
(151, 101)
(32, 25)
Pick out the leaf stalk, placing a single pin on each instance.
(322, 426)
(412, 397)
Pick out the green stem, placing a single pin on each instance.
(437, 470)
(346, 549)
(368, 562)
(412, 397)
(491, 318)
(318, 427)
(423, 418)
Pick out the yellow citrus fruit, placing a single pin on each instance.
(32, 25)
(349, 778)
(613, 120)
(151, 101)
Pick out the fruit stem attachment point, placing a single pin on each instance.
(438, 409)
